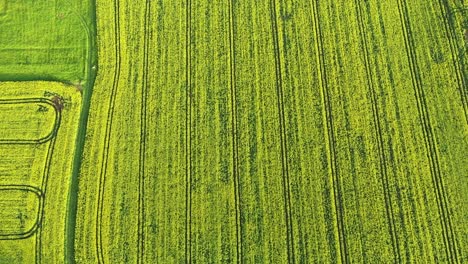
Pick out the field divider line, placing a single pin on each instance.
(431, 147)
(90, 78)
(107, 136)
(235, 143)
(188, 134)
(283, 137)
(378, 134)
(45, 176)
(328, 116)
(143, 130)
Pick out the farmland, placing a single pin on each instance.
(46, 71)
(273, 131)
(36, 155)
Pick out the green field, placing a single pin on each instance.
(273, 131)
(45, 40)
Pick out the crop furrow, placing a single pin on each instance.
(143, 120)
(45, 175)
(188, 135)
(235, 143)
(107, 136)
(284, 149)
(445, 221)
(378, 131)
(337, 196)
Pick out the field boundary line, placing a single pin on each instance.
(378, 131)
(143, 126)
(91, 68)
(431, 147)
(188, 133)
(235, 143)
(45, 177)
(337, 196)
(107, 136)
(283, 137)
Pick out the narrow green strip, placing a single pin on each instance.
(91, 69)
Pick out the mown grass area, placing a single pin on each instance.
(44, 40)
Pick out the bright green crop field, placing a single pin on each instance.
(269, 131)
